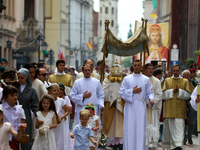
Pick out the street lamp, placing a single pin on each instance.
(39, 43)
(44, 49)
(76, 59)
(9, 44)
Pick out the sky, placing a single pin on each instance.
(128, 12)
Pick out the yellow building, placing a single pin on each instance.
(57, 27)
(8, 32)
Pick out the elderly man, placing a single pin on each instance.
(93, 73)
(192, 114)
(176, 90)
(41, 74)
(87, 90)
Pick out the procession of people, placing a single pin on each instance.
(127, 108)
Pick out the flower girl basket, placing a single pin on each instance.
(24, 139)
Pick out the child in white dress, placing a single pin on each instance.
(5, 129)
(69, 108)
(46, 121)
(93, 122)
(61, 109)
(9, 106)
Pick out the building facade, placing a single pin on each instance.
(8, 31)
(81, 31)
(29, 25)
(108, 10)
(57, 27)
(148, 10)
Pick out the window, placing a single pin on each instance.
(112, 23)
(29, 9)
(30, 30)
(112, 10)
(100, 23)
(101, 10)
(106, 11)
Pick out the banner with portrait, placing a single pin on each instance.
(158, 42)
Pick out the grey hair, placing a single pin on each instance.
(185, 71)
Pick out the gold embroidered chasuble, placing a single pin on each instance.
(66, 79)
(175, 107)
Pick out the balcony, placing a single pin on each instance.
(2, 7)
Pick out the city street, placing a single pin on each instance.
(195, 146)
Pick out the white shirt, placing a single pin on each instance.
(58, 73)
(15, 119)
(22, 87)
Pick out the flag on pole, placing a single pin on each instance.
(60, 53)
(89, 45)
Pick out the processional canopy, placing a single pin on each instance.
(134, 45)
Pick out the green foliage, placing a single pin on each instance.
(190, 61)
(126, 62)
(196, 52)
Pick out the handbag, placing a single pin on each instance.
(24, 138)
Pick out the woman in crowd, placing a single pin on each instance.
(28, 98)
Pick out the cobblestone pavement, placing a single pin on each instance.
(195, 146)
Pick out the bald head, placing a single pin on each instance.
(90, 62)
(42, 74)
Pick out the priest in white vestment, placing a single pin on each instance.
(134, 89)
(193, 102)
(176, 90)
(153, 113)
(87, 90)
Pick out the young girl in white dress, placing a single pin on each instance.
(45, 123)
(5, 129)
(69, 108)
(93, 122)
(61, 109)
(9, 106)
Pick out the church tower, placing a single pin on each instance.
(130, 33)
(108, 10)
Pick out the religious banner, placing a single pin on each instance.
(158, 42)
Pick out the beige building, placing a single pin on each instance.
(8, 31)
(108, 11)
(148, 10)
(29, 25)
(57, 27)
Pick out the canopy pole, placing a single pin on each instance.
(145, 46)
(144, 58)
(107, 22)
(142, 27)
